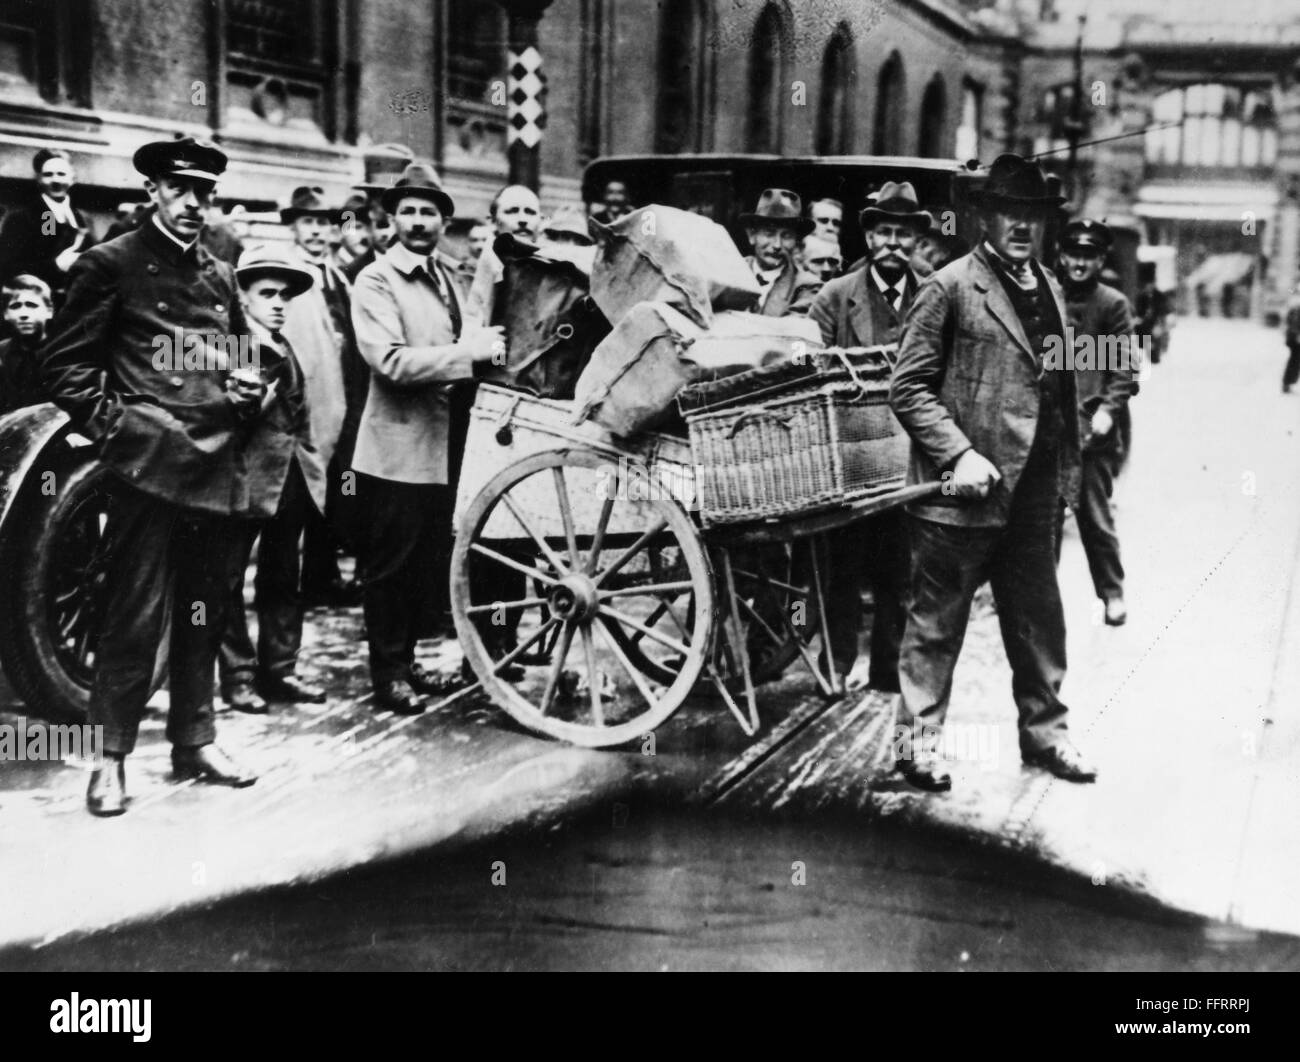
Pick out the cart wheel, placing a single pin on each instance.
(637, 576)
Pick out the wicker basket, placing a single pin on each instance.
(824, 442)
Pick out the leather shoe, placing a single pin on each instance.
(437, 684)
(1116, 613)
(107, 793)
(397, 696)
(925, 772)
(1062, 760)
(242, 697)
(208, 763)
(291, 688)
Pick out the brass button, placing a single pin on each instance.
(163, 307)
(152, 268)
(176, 381)
(219, 308)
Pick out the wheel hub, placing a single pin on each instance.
(575, 598)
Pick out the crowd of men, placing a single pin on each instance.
(345, 429)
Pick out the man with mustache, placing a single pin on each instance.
(997, 427)
(412, 333)
(179, 440)
(1097, 311)
(45, 235)
(515, 211)
(866, 308)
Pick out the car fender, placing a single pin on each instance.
(25, 434)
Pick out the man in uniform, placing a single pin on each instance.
(1103, 316)
(773, 230)
(179, 439)
(865, 309)
(999, 431)
(409, 327)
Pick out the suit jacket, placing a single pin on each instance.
(282, 434)
(20, 377)
(168, 430)
(406, 334)
(792, 291)
(851, 311)
(26, 245)
(1101, 311)
(966, 377)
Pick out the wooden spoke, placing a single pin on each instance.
(632, 550)
(518, 650)
(598, 539)
(649, 589)
(566, 514)
(557, 668)
(593, 677)
(762, 622)
(500, 558)
(633, 673)
(547, 552)
(523, 602)
(649, 632)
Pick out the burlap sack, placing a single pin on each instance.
(634, 375)
(662, 254)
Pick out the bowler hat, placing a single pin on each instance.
(198, 160)
(896, 201)
(1016, 181)
(418, 179)
(265, 261)
(1086, 235)
(308, 202)
(776, 206)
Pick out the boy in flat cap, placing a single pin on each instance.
(176, 427)
(1102, 317)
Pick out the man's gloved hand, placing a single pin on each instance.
(972, 476)
(245, 392)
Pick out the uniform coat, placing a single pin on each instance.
(1100, 310)
(170, 432)
(966, 377)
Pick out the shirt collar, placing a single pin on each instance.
(769, 275)
(61, 209)
(883, 285)
(406, 261)
(184, 247)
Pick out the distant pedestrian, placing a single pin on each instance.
(1291, 374)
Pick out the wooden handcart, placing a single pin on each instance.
(595, 585)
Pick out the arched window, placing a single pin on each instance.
(835, 116)
(767, 82)
(934, 116)
(682, 77)
(888, 138)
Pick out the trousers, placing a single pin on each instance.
(169, 573)
(1097, 523)
(277, 592)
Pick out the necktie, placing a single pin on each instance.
(892, 295)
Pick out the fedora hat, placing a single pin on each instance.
(1016, 181)
(1086, 235)
(266, 261)
(418, 179)
(308, 201)
(896, 201)
(571, 221)
(199, 160)
(777, 206)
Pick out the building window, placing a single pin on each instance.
(1223, 127)
(835, 117)
(888, 139)
(934, 116)
(282, 60)
(968, 133)
(476, 61)
(682, 77)
(45, 52)
(767, 82)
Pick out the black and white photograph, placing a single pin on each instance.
(650, 486)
